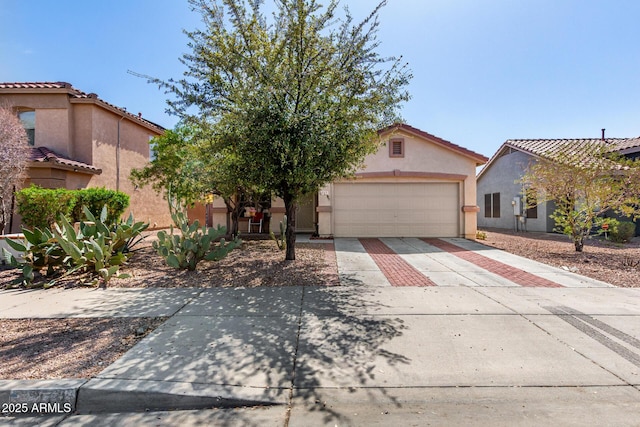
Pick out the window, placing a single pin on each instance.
(496, 205)
(396, 147)
(28, 119)
(531, 204)
(153, 154)
(492, 205)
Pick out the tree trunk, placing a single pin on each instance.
(235, 221)
(2, 215)
(578, 241)
(234, 213)
(290, 209)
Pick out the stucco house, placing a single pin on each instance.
(415, 185)
(79, 140)
(500, 195)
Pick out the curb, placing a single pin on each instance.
(29, 398)
(115, 395)
(39, 397)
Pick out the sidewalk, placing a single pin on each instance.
(359, 354)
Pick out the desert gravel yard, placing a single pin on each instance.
(80, 348)
(66, 348)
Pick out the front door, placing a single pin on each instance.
(306, 214)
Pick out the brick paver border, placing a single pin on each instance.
(397, 271)
(513, 274)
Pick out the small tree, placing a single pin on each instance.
(584, 182)
(14, 154)
(193, 161)
(176, 170)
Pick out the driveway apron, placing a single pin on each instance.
(446, 262)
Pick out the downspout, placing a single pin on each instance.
(118, 157)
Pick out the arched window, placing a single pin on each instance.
(28, 119)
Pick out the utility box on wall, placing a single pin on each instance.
(517, 206)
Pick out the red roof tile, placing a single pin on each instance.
(44, 154)
(73, 94)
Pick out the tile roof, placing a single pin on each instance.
(577, 150)
(550, 147)
(479, 158)
(44, 154)
(73, 94)
(35, 85)
(629, 143)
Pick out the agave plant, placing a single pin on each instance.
(95, 248)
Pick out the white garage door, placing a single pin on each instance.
(396, 210)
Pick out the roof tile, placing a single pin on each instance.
(74, 94)
(44, 154)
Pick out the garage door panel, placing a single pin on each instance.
(396, 210)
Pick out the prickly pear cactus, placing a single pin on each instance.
(193, 244)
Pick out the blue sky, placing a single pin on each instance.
(484, 70)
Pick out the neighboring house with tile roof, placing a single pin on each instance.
(500, 195)
(79, 140)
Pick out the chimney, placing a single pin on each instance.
(603, 133)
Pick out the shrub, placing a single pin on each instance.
(193, 245)
(41, 207)
(97, 248)
(623, 231)
(95, 198)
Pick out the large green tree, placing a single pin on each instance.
(584, 181)
(301, 93)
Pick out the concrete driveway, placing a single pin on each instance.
(444, 262)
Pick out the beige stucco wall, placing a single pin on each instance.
(52, 130)
(81, 132)
(429, 161)
(145, 204)
(436, 163)
(86, 130)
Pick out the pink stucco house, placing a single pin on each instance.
(415, 185)
(79, 140)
